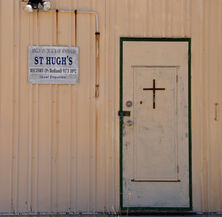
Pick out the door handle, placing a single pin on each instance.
(124, 113)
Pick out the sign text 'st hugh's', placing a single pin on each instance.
(53, 65)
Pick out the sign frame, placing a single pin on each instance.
(53, 65)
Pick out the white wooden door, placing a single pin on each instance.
(155, 136)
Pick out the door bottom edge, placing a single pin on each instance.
(157, 209)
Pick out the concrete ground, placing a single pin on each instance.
(165, 215)
(125, 215)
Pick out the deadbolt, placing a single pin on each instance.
(129, 103)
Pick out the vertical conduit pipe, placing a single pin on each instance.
(97, 34)
(75, 28)
(57, 23)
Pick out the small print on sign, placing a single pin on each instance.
(53, 65)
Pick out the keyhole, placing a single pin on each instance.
(141, 102)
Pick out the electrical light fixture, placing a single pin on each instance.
(34, 4)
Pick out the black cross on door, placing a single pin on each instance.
(154, 92)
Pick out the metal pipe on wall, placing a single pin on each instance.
(97, 38)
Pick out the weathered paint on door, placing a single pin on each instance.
(155, 141)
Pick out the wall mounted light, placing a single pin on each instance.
(34, 4)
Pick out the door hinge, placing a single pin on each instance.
(124, 113)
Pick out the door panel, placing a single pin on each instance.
(155, 137)
(159, 138)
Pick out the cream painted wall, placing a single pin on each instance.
(59, 145)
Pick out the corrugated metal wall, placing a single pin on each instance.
(59, 145)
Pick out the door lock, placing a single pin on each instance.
(129, 123)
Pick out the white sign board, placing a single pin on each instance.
(53, 65)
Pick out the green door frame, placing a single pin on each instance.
(138, 39)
